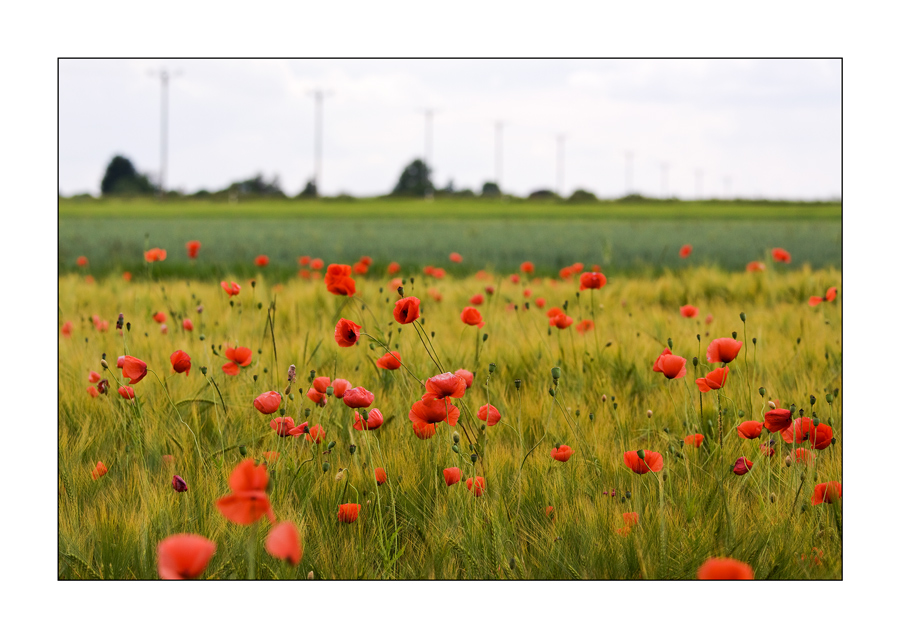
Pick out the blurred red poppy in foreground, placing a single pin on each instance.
(261, 261)
(750, 429)
(742, 466)
(338, 280)
(193, 247)
(248, 501)
(183, 556)
(714, 380)
(283, 542)
(643, 461)
(348, 512)
(777, 420)
(133, 369)
(181, 362)
(375, 420)
(562, 453)
(479, 485)
(444, 385)
(672, 366)
(471, 316)
(155, 254)
(390, 361)
(406, 310)
(592, 280)
(723, 350)
(236, 357)
(780, 254)
(685, 251)
(98, 471)
(827, 492)
(231, 288)
(724, 569)
(489, 413)
(346, 333)
(380, 476)
(689, 311)
(695, 440)
(452, 475)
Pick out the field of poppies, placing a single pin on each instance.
(376, 420)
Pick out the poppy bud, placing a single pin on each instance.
(455, 448)
(326, 466)
(640, 454)
(753, 340)
(352, 449)
(695, 361)
(591, 416)
(741, 413)
(556, 372)
(793, 408)
(743, 317)
(203, 370)
(628, 494)
(801, 411)
(329, 391)
(803, 507)
(282, 411)
(103, 364)
(331, 445)
(669, 341)
(649, 413)
(830, 421)
(202, 337)
(474, 458)
(666, 430)
(829, 398)
(243, 450)
(734, 335)
(259, 306)
(812, 400)
(307, 412)
(771, 405)
(482, 427)
(698, 338)
(455, 437)
(615, 406)
(255, 377)
(816, 421)
(787, 461)
(772, 497)
(512, 562)
(518, 383)
(492, 368)
(603, 398)
(835, 392)
(483, 337)
(552, 392)
(291, 396)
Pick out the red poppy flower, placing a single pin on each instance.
(282, 425)
(232, 289)
(93, 391)
(271, 456)
(631, 518)
(561, 321)
(540, 302)
(694, 439)
(98, 471)
(777, 420)
(236, 356)
(303, 261)
(261, 261)
(155, 254)
(390, 361)
(359, 268)
(689, 311)
(479, 485)
(804, 456)
(685, 251)
(320, 384)
(756, 266)
(159, 317)
(358, 397)
(526, 292)
(714, 380)
(452, 475)
(820, 436)
(340, 387)
(126, 392)
(476, 299)
(346, 333)
(724, 569)
(444, 385)
(438, 273)
(652, 461)
(672, 366)
(724, 350)
(798, 431)
(471, 316)
(406, 310)
(267, 402)
(181, 362)
(348, 512)
(179, 484)
(193, 247)
(393, 268)
(594, 280)
(248, 501)
(126, 276)
(750, 429)
(585, 326)
(831, 294)
(424, 431)
(316, 264)
(133, 369)
(93, 377)
(456, 258)
(742, 466)
(66, 329)
(562, 453)
(183, 556)
(188, 325)
(319, 398)
(490, 414)
(489, 290)
(380, 476)
(338, 280)
(82, 261)
(780, 254)
(375, 420)
(467, 376)
(283, 542)
(527, 267)
(827, 492)
(428, 411)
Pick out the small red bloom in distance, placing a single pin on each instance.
(267, 402)
(490, 414)
(316, 264)
(471, 316)
(183, 556)
(750, 429)
(592, 280)
(689, 311)
(98, 471)
(261, 261)
(66, 329)
(393, 268)
(193, 247)
(248, 501)
(780, 254)
(181, 362)
(358, 397)
(348, 512)
(476, 299)
(586, 325)
(133, 369)
(562, 453)
(672, 366)
(685, 251)
(390, 361)
(346, 333)
(282, 425)
(742, 466)
(375, 420)
(695, 440)
(231, 288)
(756, 266)
(380, 475)
(93, 377)
(802, 455)
(527, 267)
(631, 518)
(406, 310)
(714, 380)
(283, 542)
(236, 357)
(126, 392)
(155, 254)
(479, 485)
(444, 385)
(652, 461)
(777, 420)
(456, 258)
(188, 325)
(93, 391)
(724, 569)
(561, 321)
(467, 376)
(82, 261)
(827, 492)
(540, 302)
(724, 350)
(338, 280)
(452, 475)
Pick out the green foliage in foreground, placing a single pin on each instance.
(414, 526)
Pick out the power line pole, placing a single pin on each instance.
(560, 159)
(629, 172)
(663, 170)
(498, 151)
(319, 95)
(164, 77)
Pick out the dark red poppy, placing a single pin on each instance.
(248, 501)
(133, 369)
(98, 471)
(827, 492)
(742, 466)
(652, 461)
(193, 247)
(283, 542)
(181, 362)
(750, 429)
(231, 288)
(471, 316)
(282, 425)
(780, 254)
(406, 310)
(452, 475)
(179, 484)
(724, 350)
(390, 361)
(346, 333)
(527, 267)
(695, 440)
(480, 485)
(672, 366)
(592, 280)
(467, 376)
(183, 556)
(562, 453)
(689, 311)
(126, 392)
(714, 380)
(261, 261)
(155, 254)
(490, 414)
(444, 385)
(724, 569)
(777, 420)
(380, 476)
(267, 402)
(375, 420)
(685, 251)
(348, 512)
(338, 280)
(358, 397)
(236, 357)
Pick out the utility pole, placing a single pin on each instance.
(498, 151)
(663, 170)
(319, 95)
(629, 172)
(164, 77)
(699, 175)
(560, 158)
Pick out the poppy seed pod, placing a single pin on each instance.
(695, 361)
(812, 400)
(492, 368)
(743, 317)
(556, 372)
(455, 448)
(552, 392)
(474, 458)
(331, 445)
(669, 341)
(640, 454)
(326, 466)
(243, 450)
(518, 383)
(829, 398)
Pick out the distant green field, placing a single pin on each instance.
(489, 234)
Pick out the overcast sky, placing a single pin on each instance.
(754, 128)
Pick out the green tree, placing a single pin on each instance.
(415, 180)
(490, 189)
(122, 178)
(309, 190)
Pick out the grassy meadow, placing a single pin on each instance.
(607, 401)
